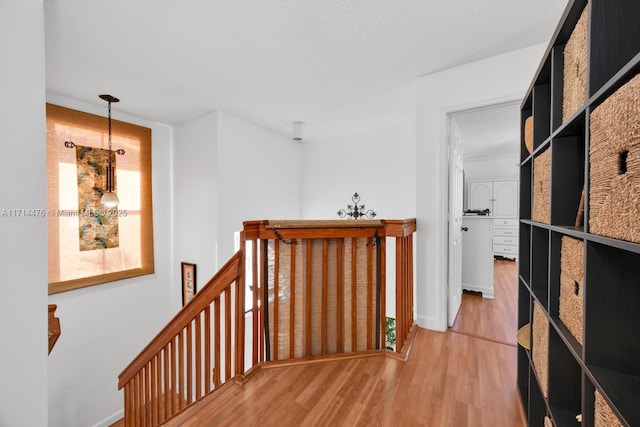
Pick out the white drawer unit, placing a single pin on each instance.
(505, 238)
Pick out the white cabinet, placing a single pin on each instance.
(477, 255)
(505, 238)
(499, 196)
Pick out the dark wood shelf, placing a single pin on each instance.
(564, 417)
(609, 359)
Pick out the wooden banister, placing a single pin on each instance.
(226, 275)
(317, 289)
(54, 326)
(403, 231)
(174, 370)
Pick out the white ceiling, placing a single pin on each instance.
(339, 66)
(491, 131)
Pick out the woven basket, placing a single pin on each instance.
(604, 416)
(574, 93)
(540, 347)
(542, 187)
(282, 339)
(572, 286)
(528, 134)
(614, 153)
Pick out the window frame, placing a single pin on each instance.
(82, 120)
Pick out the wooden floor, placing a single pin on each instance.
(492, 319)
(451, 379)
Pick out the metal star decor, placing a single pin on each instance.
(356, 211)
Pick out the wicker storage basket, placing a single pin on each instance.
(572, 285)
(604, 416)
(540, 347)
(294, 293)
(614, 173)
(548, 422)
(542, 187)
(574, 91)
(528, 134)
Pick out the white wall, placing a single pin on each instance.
(105, 326)
(258, 178)
(23, 246)
(195, 187)
(492, 167)
(498, 79)
(377, 164)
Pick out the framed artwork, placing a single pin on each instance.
(188, 282)
(88, 243)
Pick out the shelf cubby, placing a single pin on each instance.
(537, 403)
(525, 190)
(525, 114)
(567, 178)
(565, 382)
(615, 39)
(555, 268)
(621, 392)
(523, 378)
(557, 86)
(540, 270)
(613, 299)
(541, 114)
(524, 254)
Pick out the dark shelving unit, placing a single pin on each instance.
(608, 361)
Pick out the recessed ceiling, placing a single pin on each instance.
(339, 66)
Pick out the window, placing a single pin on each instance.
(88, 243)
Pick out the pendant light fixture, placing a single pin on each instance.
(109, 197)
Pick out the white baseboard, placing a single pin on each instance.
(431, 323)
(110, 419)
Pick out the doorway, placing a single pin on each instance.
(488, 141)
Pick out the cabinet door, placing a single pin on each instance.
(480, 195)
(505, 194)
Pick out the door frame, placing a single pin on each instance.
(450, 114)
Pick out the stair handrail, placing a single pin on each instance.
(229, 273)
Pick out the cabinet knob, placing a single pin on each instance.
(465, 228)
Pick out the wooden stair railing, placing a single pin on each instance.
(198, 350)
(331, 286)
(324, 284)
(403, 231)
(54, 326)
(328, 277)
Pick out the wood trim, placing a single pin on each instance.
(292, 302)
(308, 299)
(354, 295)
(276, 297)
(54, 326)
(340, 295)
(329, 223)
(400, 227)
(324, 304)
